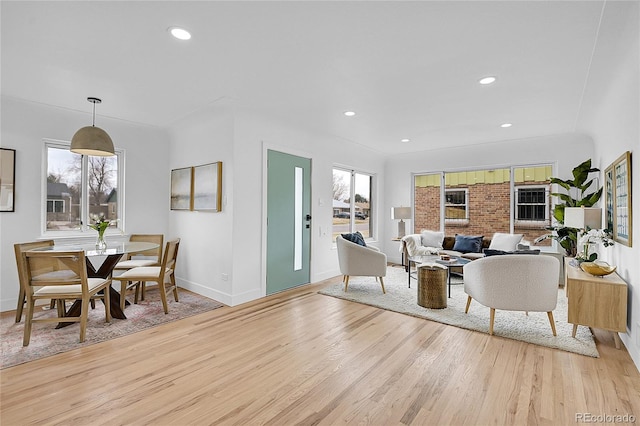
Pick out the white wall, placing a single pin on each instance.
(205, 237)
(564, 151)
(232, 242)
(611, 115)
(25, 125)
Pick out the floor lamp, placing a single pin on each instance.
(401, 213)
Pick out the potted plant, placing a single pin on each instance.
(578, 186)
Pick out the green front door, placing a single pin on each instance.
(288, 221)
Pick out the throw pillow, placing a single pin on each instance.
(356, 237)
(505, 242)
(432, 239)
(468, 243)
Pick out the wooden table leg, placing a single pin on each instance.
(575, 328)
(616, 339)
(103, 272)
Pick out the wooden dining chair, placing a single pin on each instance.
(19, 249)
(158, 274)
(151, 257)
(61, 275)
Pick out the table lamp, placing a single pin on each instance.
(401, 213)
(583, 217)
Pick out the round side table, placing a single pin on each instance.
(432, 286)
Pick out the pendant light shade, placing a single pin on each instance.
(92, 140)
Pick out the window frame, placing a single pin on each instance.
(466, 206)
(529, 222)
(83, 230)
(53, 205)
(352, 206)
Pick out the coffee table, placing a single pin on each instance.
(454, 262)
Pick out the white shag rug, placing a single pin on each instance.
(533, 328)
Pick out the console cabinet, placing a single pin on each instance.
(598, 302)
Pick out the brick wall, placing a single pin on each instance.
(488, 206)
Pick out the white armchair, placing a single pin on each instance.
(358, 260)
(513, 283)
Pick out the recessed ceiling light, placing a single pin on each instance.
(505, 125)
(349, 113)
(487, 80)
(405, 140)
(180, 33)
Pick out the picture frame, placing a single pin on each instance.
(182, 189)
(618, 194)
(7, 180)
(207, 187)
(608, 199)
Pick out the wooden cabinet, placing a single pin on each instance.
(598, 302)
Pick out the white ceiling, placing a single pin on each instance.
(409, 69)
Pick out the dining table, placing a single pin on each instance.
(100, 264)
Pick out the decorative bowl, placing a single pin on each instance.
(599, 269)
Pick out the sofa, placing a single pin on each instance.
(465, 246)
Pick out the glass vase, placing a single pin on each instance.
(101, 244)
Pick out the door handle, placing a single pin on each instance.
(308, 217)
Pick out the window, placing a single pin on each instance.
(55, 206)
(455, 206)
(532, 204)
(482, 201)
(77, 187)
(352, 202)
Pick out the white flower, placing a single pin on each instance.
(594, 236)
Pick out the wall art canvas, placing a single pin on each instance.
(207, 187)
(7, 179)
(181, 188)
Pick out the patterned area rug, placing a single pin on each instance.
(533, 328)
(47, 341)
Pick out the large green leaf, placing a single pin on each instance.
(566, 184)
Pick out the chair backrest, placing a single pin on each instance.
(148, 238)
(56, 268)
(21, 264)
(517, 282)
(171, 255)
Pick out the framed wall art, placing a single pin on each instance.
(7, 179)
(182, 189)
(608, 199)
(207, 187)
(619, 216)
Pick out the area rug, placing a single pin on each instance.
(533, 328)
(47, 341)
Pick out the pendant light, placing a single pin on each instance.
(92, 140)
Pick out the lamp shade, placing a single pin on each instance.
(401, 213)
(92, 140)
(583, 217)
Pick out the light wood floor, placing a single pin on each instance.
(303, 358)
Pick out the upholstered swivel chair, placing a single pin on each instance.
(514, 282)
(357, 260)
